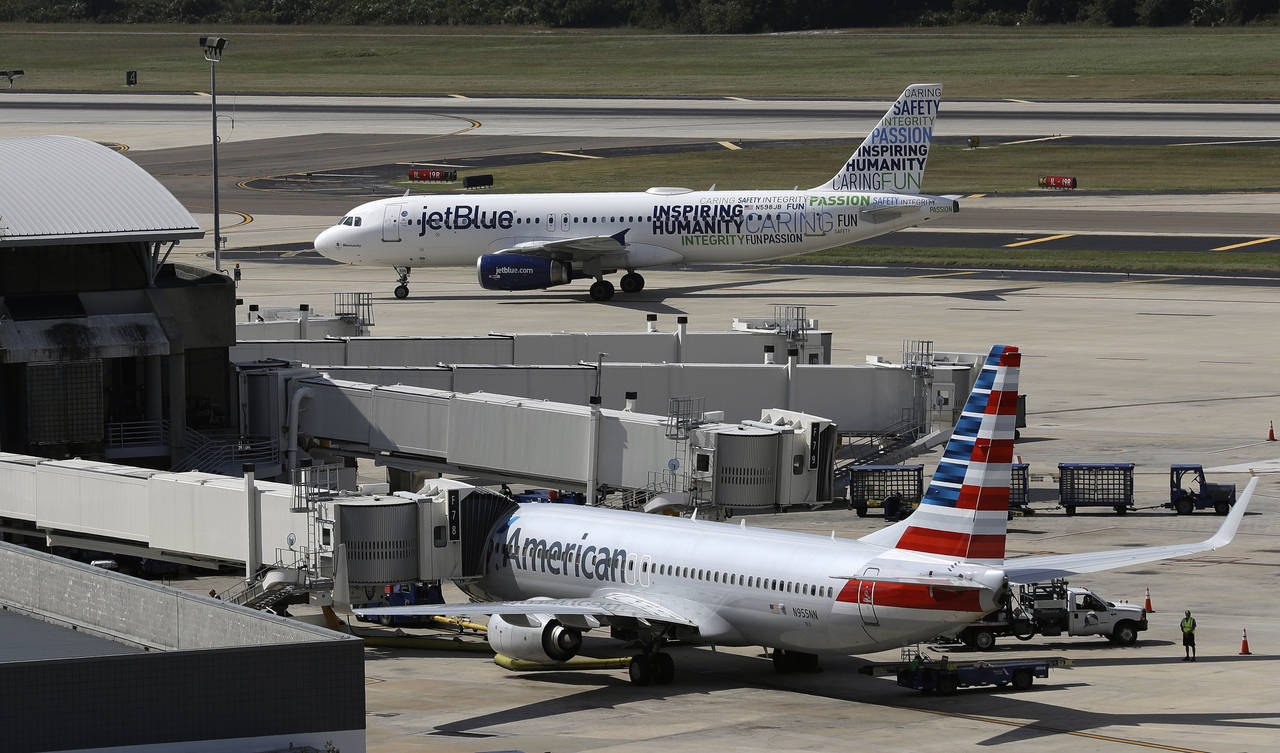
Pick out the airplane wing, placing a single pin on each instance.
(610, 604)
(572, 249)
(1033, 569)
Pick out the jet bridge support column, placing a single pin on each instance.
(593, 450)
(253, 555)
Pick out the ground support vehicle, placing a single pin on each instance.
(1095, 485)
(1188, 491)
(551, 495)
(1053, 608)
(944, 676)
(402, 595)
(894, 488)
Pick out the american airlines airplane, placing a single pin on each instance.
(538, 241)
(555, 571)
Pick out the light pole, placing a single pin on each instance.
(213, 53)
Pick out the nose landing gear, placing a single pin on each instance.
(402, 290)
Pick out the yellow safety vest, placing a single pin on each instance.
(1189, 625)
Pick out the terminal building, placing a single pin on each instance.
(106, 348)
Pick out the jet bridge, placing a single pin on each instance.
(785, 457)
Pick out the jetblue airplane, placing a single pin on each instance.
(538, 241)
(555, 571)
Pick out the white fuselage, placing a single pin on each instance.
(751, 586)
(663, 226)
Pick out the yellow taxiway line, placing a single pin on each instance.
(1038, 240)
(571, 154)
(1248, 243)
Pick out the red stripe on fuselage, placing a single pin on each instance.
(912, 596)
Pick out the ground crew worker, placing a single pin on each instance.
(1188, 626)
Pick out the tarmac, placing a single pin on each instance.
(1146, 370)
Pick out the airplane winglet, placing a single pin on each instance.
(1227, 531)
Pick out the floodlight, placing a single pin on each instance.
(213, 48)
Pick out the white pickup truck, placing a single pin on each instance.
(1054, 608)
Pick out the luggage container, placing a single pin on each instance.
(895, 488)
(1095, 485)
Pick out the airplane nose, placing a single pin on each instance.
(327, 244)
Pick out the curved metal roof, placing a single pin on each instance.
(62, 189)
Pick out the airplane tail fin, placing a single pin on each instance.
(965, 510)
(891, 159)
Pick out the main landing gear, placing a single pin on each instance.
(402, 290)
(652, 667)
(786, 662)
(602, 289)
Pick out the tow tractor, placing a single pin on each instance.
(1053, 608)
(1198, 494)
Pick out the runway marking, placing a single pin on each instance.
(730, 146)
(571, 154)
(1247, 243)
(1046, 728)
(1019, 101)
(1219, 143)
(946, 274)
(1038, 240)
(428, 164)
(459, 96)
(738, 99)
(116, 145)
(975, 196)
(1139, 282)
(245, 218)
(201, 94)
(1031, 141)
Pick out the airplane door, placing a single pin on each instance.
(866, 598)
(551, 222)
(391, 222)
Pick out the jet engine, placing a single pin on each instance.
(533, 637)
(519, 272)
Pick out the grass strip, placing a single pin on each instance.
(1071, 62)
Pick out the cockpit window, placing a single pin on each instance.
(345, 221)
(357, 222)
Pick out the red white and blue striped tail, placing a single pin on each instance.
(965, 511)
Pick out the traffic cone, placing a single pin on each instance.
(1271, 432)
(1147, 607)
(1244, 643)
